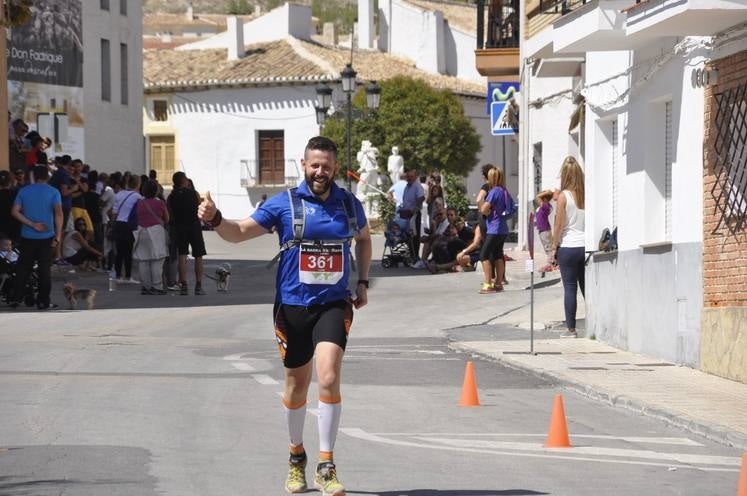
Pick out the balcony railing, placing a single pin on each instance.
(502, 24)
(560, 6)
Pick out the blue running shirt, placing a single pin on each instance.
(324, 221)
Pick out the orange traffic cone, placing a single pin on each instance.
(557, 437)
(469, 389)
(742, 484)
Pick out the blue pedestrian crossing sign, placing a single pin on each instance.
(500, 120)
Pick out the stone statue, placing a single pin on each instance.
(369, 174)
(395, 165)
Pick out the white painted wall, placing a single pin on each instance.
(113, 131)
(215, 130)
(288, 20)
(426, 38)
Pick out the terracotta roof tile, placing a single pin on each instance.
(278, 61)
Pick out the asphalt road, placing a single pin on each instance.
(180, 395)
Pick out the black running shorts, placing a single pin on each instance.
(299, 329)
(492, 248)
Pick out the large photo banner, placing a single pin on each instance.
(45, 74)
(49, 49)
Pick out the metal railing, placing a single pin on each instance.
(250, 176)
(502, 28)
(560, 6)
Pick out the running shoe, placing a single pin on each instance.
(326, 481)
(173, 287)
(157, 291)
(419, 265)
(296, 481)
(199, 291)
(569, 334)
(183, 289)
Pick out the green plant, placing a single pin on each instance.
(456, 193)
(428, 126)
(240, 7)
(17, 13)
(386, 208)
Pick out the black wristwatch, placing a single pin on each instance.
(364, 282)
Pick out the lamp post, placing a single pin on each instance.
(324, 100)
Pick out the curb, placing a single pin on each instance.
(711, 432)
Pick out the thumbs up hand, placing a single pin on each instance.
(207, 209)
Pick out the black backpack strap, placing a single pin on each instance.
(298, 214)
(351, 214)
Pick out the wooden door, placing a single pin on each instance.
(271, 157)
(162, 157)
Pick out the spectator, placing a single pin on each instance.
(7, 253)
(495, 208)
(18, 180)
(39, 208)
(542, 220)
(16, 133)
(469, 256)
(77, 250)
(412, 201)
(124, 202)
(153, 176)
(106, 202)
(440, 225)
(262, 200)
(9, 226)
(569, 238)
(397, 192)
(79, 187)
(92, 201)
(36, 154)
(183, 202)
(435, 195)
(150, 248)
(62, 181)
(446, 248)
(464, 232)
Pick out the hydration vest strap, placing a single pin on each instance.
(298, 213)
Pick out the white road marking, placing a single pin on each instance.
(234, 357)
(558, 453)
(264, 379)
(691, 459)
(678, 441)
(389, 350)
(406, 359)
(243, 366)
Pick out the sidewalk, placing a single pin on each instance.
(701, 403)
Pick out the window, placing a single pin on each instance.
(123, 73)
(106, 83)
(104, 4)
(668, 171)
(271, 157)
(615, 176)
(162, 156)
(123, 7)
(161, 110)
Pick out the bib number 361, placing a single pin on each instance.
(321, 263)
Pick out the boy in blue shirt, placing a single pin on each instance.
(38, 207)
(314, 310)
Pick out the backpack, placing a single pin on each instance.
(132, 221)
(298, 214)
(510, 205)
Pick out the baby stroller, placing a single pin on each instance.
(398, 246)
(7, 282)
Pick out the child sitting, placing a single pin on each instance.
(7, 253)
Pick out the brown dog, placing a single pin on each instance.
(75, 295)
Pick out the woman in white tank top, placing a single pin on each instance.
(569, 238)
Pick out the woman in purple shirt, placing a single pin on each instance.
(495, 208)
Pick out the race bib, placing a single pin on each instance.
(321, 263)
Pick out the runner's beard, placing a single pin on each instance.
(317, 187)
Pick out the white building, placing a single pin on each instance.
(113, 84)
(627, 80)
(236, 116)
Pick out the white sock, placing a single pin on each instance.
(329, 422)
(295, 416)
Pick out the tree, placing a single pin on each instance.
(428, 126)
(240, 7)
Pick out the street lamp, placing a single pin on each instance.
(324, 101)
(348, 87)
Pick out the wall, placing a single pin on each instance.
(460, 54)
(113, 131)
(724, 334)
(278, 24)
(217, 129)
(646, 297)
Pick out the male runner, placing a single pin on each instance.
(313, 310)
